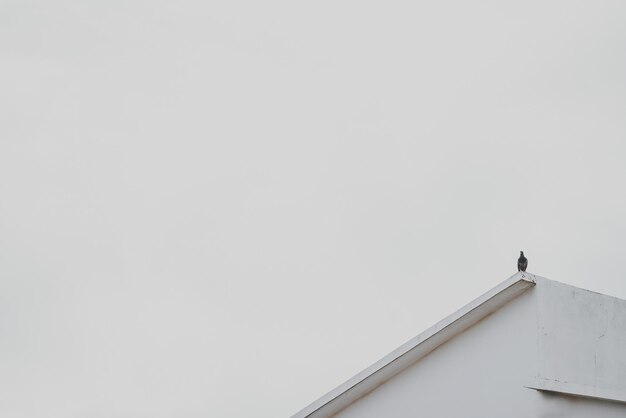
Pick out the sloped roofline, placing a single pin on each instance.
(418, 347)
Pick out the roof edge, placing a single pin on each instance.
(418, 347)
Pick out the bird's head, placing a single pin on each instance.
(521, 253)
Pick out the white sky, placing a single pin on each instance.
(225, 209)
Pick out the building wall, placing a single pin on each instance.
(581, 341)
(555, 405)
(581, 350)
(480, 373)
(556, 351)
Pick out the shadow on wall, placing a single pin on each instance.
(558, 405)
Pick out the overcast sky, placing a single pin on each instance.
(226, 209)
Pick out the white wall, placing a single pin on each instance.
(555, 337)
(480, 373)
(581, 341)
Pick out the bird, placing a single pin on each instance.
(522, 262)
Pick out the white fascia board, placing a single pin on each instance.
(418, 347)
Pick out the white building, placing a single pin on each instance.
(530, 347)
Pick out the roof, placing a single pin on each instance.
(418, 347)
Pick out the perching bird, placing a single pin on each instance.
(522, 262)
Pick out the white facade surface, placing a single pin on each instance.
(581, 341)
(555, 405)
(530, 347)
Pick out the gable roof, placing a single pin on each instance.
(418, 347)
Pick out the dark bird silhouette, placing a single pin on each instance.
(522, 262)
